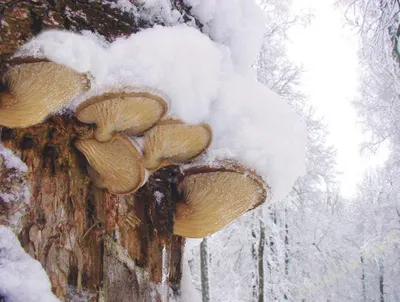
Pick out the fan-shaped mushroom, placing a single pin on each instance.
(174, 142)
(215, 198)
(31, 91)
(116, 165)
(132, 112)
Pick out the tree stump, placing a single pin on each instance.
(94, 245)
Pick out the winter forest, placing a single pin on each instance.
(223, 71)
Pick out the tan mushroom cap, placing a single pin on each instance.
(133, 113)
(34, 90)
(116, 165)
(212, 200)
(174, 142)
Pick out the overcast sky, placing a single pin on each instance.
(327, 49)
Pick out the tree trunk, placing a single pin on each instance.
(261, 263)
(287, 260)
(254, 255)
(364, 292)
(205, 282)
(381, 284)
(94, 245)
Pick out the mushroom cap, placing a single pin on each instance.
(34, 90)
(174, 142)
(213, 199)
(117, 164)
(133, 112)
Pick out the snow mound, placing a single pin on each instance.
(237, 24)
(21, 277)
(251, 124)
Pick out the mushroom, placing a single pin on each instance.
(212, 199)
(115, 165)
(31, 91)
(133, 113)
(174, 142)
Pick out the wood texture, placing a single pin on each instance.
(95, 246)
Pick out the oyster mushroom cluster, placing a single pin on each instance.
(133, 137)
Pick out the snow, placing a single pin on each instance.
(188, 290)
(11, 160)
(159, 196)
(149, 10)
(21, 277)
(13, 171)
(237, 24)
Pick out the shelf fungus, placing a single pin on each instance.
(174, 142)
(132, 113)
(29, 92)
(213, 198)
(115, 165)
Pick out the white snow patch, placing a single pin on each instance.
(237, 24)
(159, 196)
(251, 124)
(188, 289)
(149, 10)
(21, 277)
(11, 160)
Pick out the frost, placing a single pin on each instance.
(21, 277)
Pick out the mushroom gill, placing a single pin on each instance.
(174, 142)
(116, 165)
(212, 200)
(132, 112)
(31, 91)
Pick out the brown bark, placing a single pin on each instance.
(92, 244)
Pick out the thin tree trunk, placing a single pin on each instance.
(261, 263)
(286, 252)
(364, 292)
(205, 282)
(255, 261)
(93, 244)
(381, 284)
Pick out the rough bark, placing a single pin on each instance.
(93, 245)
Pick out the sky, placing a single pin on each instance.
(327, 49)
